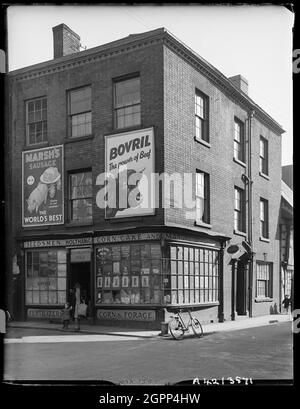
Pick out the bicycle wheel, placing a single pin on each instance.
(176, 329)
(197, 327)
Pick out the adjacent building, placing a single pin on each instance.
(287, 233)
(144, 104)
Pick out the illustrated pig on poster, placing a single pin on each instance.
(49, 182)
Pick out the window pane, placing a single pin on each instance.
(61, 297)
(31, 106)
(30, 116)
(37, 121)
(202, 203)
(127, 92)
(261, 148)
(28, 298)
(239, 147)
(41, 276)
(37, 105)
(81, 124)
(201, 117)
(80, 100)
(127, 103)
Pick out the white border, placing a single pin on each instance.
(152, 199)
(62, 183)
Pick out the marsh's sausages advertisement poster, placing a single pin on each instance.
(42, 180)
(129, 159)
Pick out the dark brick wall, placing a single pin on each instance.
(89, 152)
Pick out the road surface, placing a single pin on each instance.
(263, 353)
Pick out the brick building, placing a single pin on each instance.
(77, 116)
(287, 233)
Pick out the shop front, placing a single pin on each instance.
(51, 270)
(140, 278)
(130, 279)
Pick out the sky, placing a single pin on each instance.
(254, 41)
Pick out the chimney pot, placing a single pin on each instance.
(65, 41)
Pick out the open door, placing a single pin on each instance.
(80, 272)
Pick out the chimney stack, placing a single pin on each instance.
(65, 41)
(240, 82)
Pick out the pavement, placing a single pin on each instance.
(86, 328)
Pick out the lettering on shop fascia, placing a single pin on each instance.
(144, 236)
(106, 239)
(58, 243)
(127, 237)
(126, 315)
(43, 313)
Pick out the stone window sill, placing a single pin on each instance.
(127, 129)
(78, 139)
(240, 233)
(205, 143)
(202, 224)
(264, 239)
(239, 162)
(36, 146)
(264, 175)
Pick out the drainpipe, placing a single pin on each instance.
(250, 216)
(280, 268)
(221, 284)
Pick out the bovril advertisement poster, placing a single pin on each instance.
(42, 179)
(129, 159)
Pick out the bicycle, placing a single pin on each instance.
(178, 327)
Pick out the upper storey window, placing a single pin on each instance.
(127, 103)
(201, 116)
(239, 140)
(263, 156)
(80, 112)
(36, 121)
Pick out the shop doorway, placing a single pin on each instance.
(80, 272)
(241, 289)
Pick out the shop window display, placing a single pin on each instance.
(45, 277)
(129, 274)
(137, 274)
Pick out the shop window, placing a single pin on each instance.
(80, 196)
(46, 272)
(239, 140)
(129, 274)
(201, 116)
(194, 275)
(263, 279)
(36, 121)
(80, 112)
(239, 209)
(127, 103)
